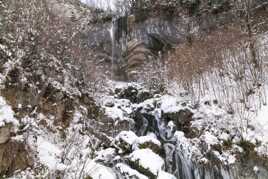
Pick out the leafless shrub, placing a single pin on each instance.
(221, 64)
(43, 42)
(191, 60)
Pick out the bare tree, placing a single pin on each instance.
(250, 14)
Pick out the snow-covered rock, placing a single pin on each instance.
(49, 154)
(125, 140)
(128, 137)
(117, 109)
(6, 114)
(106, 156)
(169, 104)
(147, 162)
(209, 139)
(128, 172)
(97, 171)
(109, 101)
(114, 113)
(147, 142)
(7, 121)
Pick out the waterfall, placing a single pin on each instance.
(177, 152)
(112, 35)
(182, 158)
(118, 30)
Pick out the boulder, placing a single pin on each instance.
(106, 156)
(144, 95)
(181, 118)
(149, 142)
(125, 140)
(129, 93)
(146, 162)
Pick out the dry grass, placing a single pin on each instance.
(220, 65)
(201, 55)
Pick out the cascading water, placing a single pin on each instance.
(113, 47)
(180, 159)
(178, 154)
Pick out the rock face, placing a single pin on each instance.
(13, 153)
(182, 120)
(166, 138)
(133, 94)
(14, 156)
(146, 162)
(7, 121)
(5, 133)
(138, 137)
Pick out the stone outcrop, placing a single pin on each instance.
(14, 156)
(5, 133)
(138, 57)
(164, 130)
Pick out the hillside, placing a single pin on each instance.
(134, 89)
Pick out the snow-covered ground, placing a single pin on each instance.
(218, 125)
(220, 114)
(262, 123)
(72, 155)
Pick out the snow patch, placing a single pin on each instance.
(114, 113)
(127, 136)
(209, 138)
(49, 154)
(146, 139)
(6, 114)
(119, 108)
(169, 104)
(148, 160)
(262, 123)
